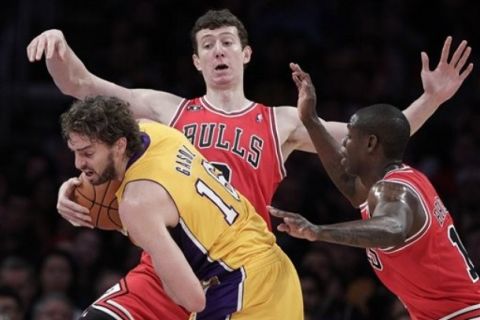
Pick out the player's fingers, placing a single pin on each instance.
(425, 62)
(82, 219)
(79, 216)
(79, 223)
(300, 69)
(73, 223)
(40, 48)
(50, 49)
(67, 188)
(294, 221)
(74, 217)
(445, 50)
(458, 53)
(68, 206)
(463, 59)
(296, 80)
(283, 227)
(62, 49)
(280, 213)
(31, 50)
(75, 181)
(466, 72)
(293, 66)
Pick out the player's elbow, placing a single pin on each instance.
(196, 302)
(396, 233)
(191, 296)
(78, 86)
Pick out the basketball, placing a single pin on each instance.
(101, 202)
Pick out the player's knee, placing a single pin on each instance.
(94, 314)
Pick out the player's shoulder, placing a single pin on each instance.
(152, 96)
(157, 105)
(287, 114)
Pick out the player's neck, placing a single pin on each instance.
(376, 171)
(121, 168)
(228, 100)
(391, 165)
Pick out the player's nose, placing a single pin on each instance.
(79, 162)
(218, 49)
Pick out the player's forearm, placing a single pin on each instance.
(420, 111)
(328, 150)
(373, 233)
(70, 74)
(180, 282)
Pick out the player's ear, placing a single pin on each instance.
(120, 146)
(196, 62)
(372, 142)
(247, 54)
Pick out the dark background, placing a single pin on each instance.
(358, 53)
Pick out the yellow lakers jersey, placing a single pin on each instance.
(219, 229)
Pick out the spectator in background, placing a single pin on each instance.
(58, 274)
(54, 307)
(19, 275)
(11, 306)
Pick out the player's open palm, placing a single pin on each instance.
(294, 224)
(50, 43)
(307, 98)
(444, 81)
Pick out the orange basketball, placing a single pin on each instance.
(101, 202)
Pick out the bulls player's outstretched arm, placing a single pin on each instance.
(439, 85)
(393, 220)
(74, 79)
(146, 210)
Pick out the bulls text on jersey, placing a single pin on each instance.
(207, 135)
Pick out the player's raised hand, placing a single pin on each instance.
(307, 98)
(69, 210)
(50, 43)
(443, 82)
(294, 224)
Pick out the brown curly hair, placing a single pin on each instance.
(104, 119)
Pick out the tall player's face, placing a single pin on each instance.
(220, 57)
(95, 159)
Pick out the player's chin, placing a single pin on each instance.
(95, 180)
(345, 165)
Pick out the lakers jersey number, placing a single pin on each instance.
(217, 224)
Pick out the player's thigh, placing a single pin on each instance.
(140, 295)
(272, 292)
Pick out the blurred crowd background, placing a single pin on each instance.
(358, 53)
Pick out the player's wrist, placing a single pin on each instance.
(432, 99)
(317, 233)
(310, 120)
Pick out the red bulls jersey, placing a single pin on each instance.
(243, 144)
(431, 273)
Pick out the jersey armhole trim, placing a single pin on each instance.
(278, 150)
(177, 113)
(426, 225)
(468, 311)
